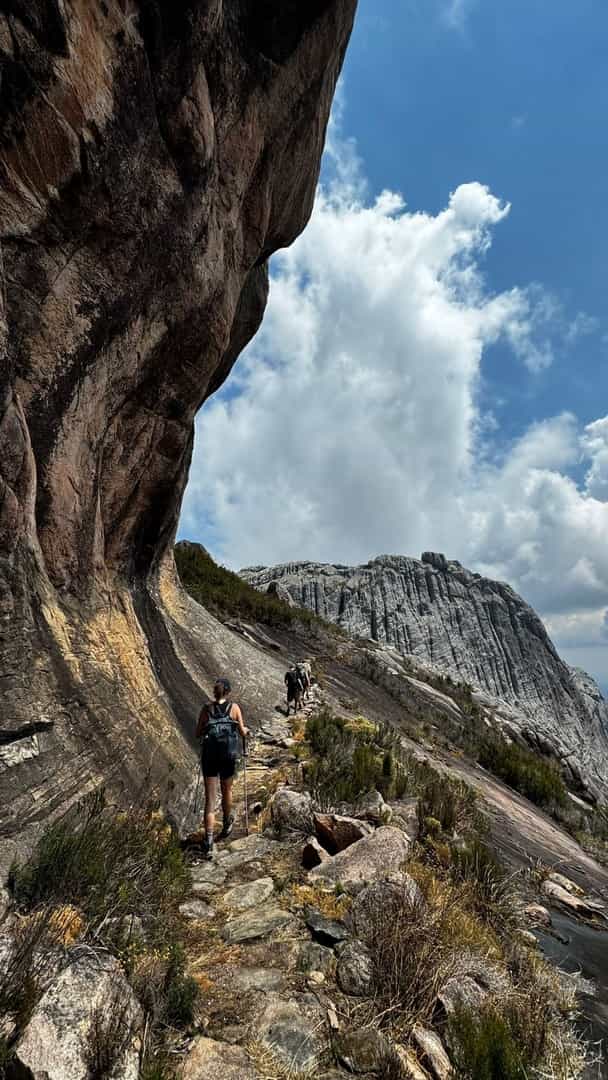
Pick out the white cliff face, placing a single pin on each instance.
(475, 629)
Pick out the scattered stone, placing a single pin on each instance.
(372, 807)
(256, 979)
(538, 914)
(249, 895)
(573, 903)
(203, 891)
(355, 972)
(314, 957)
(397, 893)
(432, 1051)
(291, 1031)
(55, 1042)
(207, 874)
(255, 924)
(217, 1059)
(324, 930)
(196, 909)
(313, 854)
(332, 1017)
(337, 832)
(361, 1051)
(291, 811)
(566, 883)
(462, 991)
(410, 1064)
(317, 978)
(373, 856)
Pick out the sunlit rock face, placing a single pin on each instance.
(153, 154)
(473, 628)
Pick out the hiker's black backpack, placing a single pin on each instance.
(221, 739)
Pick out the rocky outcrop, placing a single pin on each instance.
(478, 631)
(152, 157)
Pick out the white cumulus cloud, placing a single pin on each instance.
(353, 425)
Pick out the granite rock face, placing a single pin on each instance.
(478, 631)
(152, 156)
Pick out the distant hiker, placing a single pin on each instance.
(221, 727)
(304, 669)
(295, 688)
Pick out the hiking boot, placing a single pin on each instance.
(228, 827)
(207, 848)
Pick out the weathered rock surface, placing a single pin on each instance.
(372, 857)
(210, 1058)
(291, 811)
(251, 894)
(337, 832)
(152, 157)
(355, 972)
(292, 1031)
(476, 630)
(362, 1051)
(432, 1051)
(255, 924)
(396, 895)
(55, 1043)
(324, 930)
(313, 854)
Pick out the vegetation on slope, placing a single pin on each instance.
(113, 880)
(227, 596)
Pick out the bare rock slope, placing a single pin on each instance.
(468, 626)
(152, 156)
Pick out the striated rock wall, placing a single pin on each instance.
(153, 155)
(478, 630)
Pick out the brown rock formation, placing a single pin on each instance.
(152, 156)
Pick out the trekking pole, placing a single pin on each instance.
(245, 785)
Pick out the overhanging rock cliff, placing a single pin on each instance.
(475, 629)
(153, 155)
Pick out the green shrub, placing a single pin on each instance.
(491, 890)
(536, 777)
(350, 758)
(102, 860)
(226, 595)
(180, 991)
(484, 1047)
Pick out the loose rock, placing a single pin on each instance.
(209, 1058)
(361, 1051)
(314, 957)
(395, 894)
(291, 811)
(372, 857)
(250, 894)
(372, 807)
(55, 1042)
(355, 970)
(337, 832)
(433, 1051)
(256, 979)
(291, 1031)
(255, 924)
(196, 909)
(324, 930)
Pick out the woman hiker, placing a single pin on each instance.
(221, 727)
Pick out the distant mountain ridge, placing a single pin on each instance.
(471, 627)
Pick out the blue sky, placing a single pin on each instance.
(515, 96)
(431, 371)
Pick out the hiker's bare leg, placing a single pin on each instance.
(226, 798)
(210, 801)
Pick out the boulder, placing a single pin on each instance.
(196, 909)
(251, 894)
(362, 1051)
(372, 807)
(396, 893)
(292, 1031)
(566, 883)
(57, 1042)
(372, 857)
(406, 816)
(291, 811)
(313, 854)
(432, 1052)
(209, 1058)
(325, 930)
(336, 832)
(462, 991)
(314, 957)
(207, 874)
(355, 971)
(576, 904)
(538, 915)
(255, 924)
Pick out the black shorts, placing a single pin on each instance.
(214, 765)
